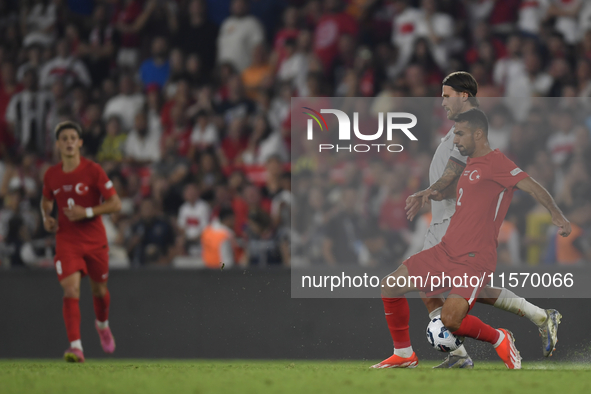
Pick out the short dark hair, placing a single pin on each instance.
(463, 82)
(68, 124)
(475, 118)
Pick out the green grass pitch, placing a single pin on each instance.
(288, 376)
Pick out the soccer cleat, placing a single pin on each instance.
(549, 332)
(456, 362)
(74, 355)
(107, 340)
(395, 361)
(508, 352)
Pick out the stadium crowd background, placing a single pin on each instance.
(186, 105)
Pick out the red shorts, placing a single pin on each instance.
(92, 262)
(438, 272)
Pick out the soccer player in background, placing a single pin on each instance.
(82, 192)
(459, 95)
(484, 191)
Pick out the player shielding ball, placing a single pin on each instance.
(459, 92)
(484, 192)
(78, 185)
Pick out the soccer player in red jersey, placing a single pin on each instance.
(468, 249)
(82, 192)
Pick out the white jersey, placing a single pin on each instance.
(442, 210)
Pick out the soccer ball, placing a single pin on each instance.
(440, 338)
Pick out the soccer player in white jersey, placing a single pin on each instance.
(459, 95)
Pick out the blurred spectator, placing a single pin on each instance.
(343, 242)
(204, 134)
(126, 104)
(130, 18)
(287, 34)
(156, 69)
(218, 242)
(262, 244)
(264, 143)
(103, 42)
(509, 244)
(65, 66)
(566, 13)
(237, 105)
(142, 146)
(179, 131)
(151, 238)
(499, 129)
(27, 114)
(239, 34)
(234, 144)
(209, 172)
(257, 76)
(562, 141)
(8, 88)
(38, 22)
(196, 24)
(532, 14)
(193, 217)
(332, 25)
(113, 144)
(33, 62)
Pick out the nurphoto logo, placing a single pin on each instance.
(345, 130)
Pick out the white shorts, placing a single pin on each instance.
(435, 232)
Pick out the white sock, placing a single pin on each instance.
(77, 344)
(501, 337)
(435, 313)
(404, 352)
(102, 324)
(460, 352)
(509, 301)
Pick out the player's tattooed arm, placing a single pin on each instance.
(541, 195)
(441, 189)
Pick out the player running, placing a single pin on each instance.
(484, 191)
(459, 91)
(77, 185)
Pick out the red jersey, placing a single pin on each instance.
(484, 194)
(84, 186)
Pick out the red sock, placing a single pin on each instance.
(101, 306)
(397, 316)
(71, 311)
(473, 327)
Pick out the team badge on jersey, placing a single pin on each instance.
(473, 176)
(81, 189)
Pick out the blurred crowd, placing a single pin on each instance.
(186, 104)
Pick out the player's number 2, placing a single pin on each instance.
(71, 203)
(461, 192)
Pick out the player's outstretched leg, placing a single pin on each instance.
(71, 312)
(547, 320)
(101, 300)
(459, 358)
(397, 317)
(454, 316)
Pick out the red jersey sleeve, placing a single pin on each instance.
(47, 192)
(506, 173)
(104, 184)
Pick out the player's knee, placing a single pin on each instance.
(99, 290)
(71, 291)
(389, 288)
(432, 303)
(451, 322)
